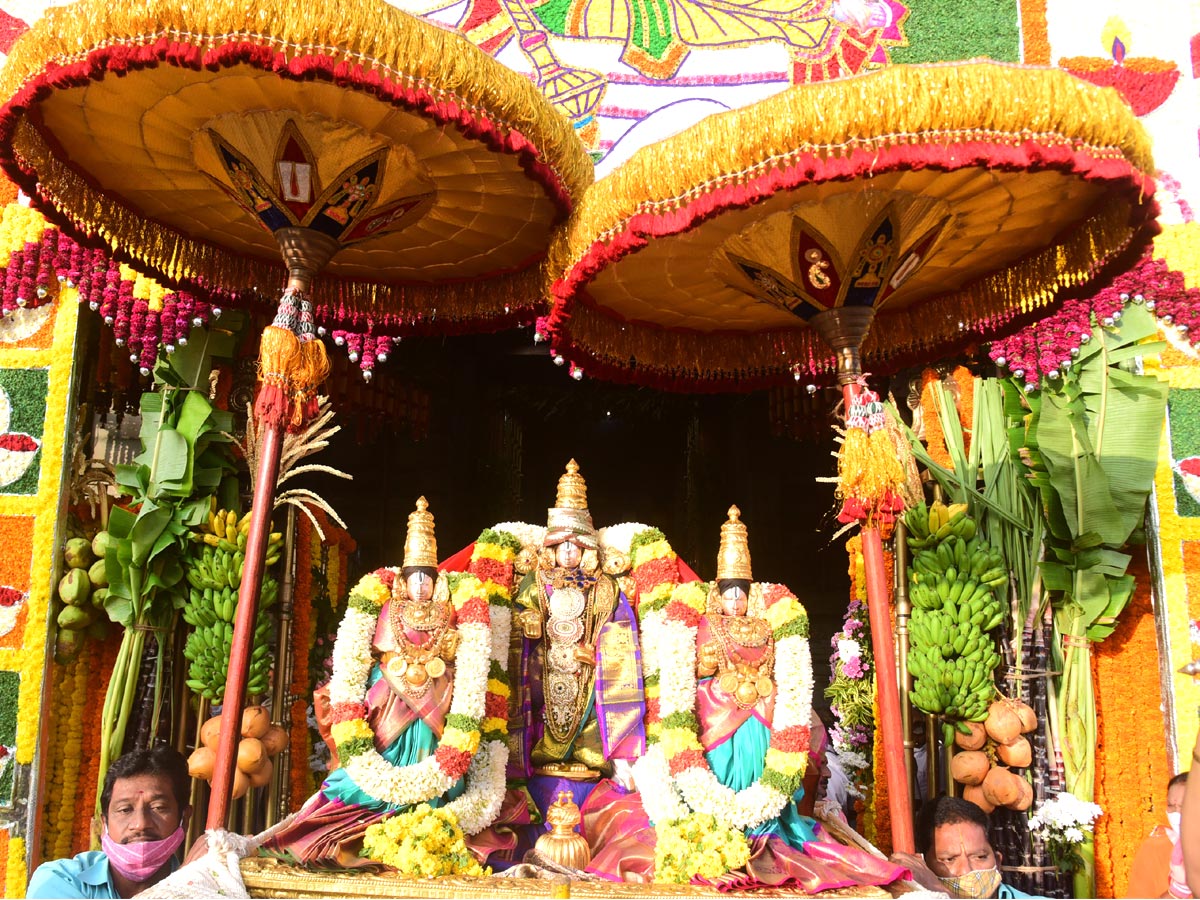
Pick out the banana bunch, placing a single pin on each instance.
(213, 568)
(953, 578)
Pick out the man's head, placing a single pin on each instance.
(1176, 788)
(145, 796)
(957, 845)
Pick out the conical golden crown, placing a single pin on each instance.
(733, 559)
(572, 489)
(420, 545)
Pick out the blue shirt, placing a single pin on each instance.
(1007, 892)
(85, 875)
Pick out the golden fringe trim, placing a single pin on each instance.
(984, 306)
(181, 259)
(896, 105)
(369, 33)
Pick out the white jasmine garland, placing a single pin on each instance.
(677, 677)
(620, 537)
(479, 805)
(530, 536)
(352, 657)
(660, 797)
(651, 627)
(471, 665)
(794, 682)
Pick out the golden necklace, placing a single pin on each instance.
(415, 666)
(747, 682)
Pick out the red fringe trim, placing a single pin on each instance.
(1117, 174)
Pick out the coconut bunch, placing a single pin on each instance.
(83, 591)
(260, 743)
(989, 751)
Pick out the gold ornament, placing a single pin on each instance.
(733, 559)
(562, 844)
(572, 489)
(420, 545)
(436, 667)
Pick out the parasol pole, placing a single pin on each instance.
(305, 252)
(843, 328)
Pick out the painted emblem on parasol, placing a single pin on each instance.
(806, 260)
(11, 603)
(287, 190)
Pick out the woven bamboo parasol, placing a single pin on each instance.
(858, 222)
(205, 140)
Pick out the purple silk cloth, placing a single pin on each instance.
(620, 701)
(622, 839)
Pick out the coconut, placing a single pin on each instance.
(973, 794)
(1002, 723)
(275, 739)
(1027, 716)
(210, 732)
(261, 776)
(1000, 786)
(1018, 754)
(201, 762)
(255, 721)
(1025, 800)
(970, 766)
(973, 741)
(250, 754)
(241, 784)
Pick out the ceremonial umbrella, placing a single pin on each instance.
(202, 140)
(935, 202)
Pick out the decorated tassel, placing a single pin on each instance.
(279, 360)
(871, 478)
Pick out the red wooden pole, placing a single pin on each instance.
(243, 625)
(890, 727)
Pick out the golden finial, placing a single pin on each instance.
(733, 559)
(572, 489)
(420, 545)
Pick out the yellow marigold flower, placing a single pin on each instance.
(467, 741)
(785, 762)
(676, 740)
(370, 587)
(497, 552)
(494, 724)
(783, 611)
(693, 593)
(655, 550)
(345, 731)
(498, 687)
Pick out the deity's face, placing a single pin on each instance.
(420, 586)
(568, 555)
(734, 601)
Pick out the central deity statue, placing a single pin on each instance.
(581, 694)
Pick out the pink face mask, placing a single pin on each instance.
(139, 861)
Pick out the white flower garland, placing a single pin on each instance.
(619, 537)
(530, 536)
(660, 797)
(478, 806)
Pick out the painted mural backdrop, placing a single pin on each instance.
(628, 73)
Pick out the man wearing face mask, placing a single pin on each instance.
(959, 858)
(146, 812)
(1150, 875)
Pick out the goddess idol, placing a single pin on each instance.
(401, 711)
(580, 700)
(735, 703)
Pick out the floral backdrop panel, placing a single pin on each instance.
(22, 424)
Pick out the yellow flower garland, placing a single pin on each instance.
(28, 659)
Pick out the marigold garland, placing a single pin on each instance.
(1131, 762)
(1035, 34)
